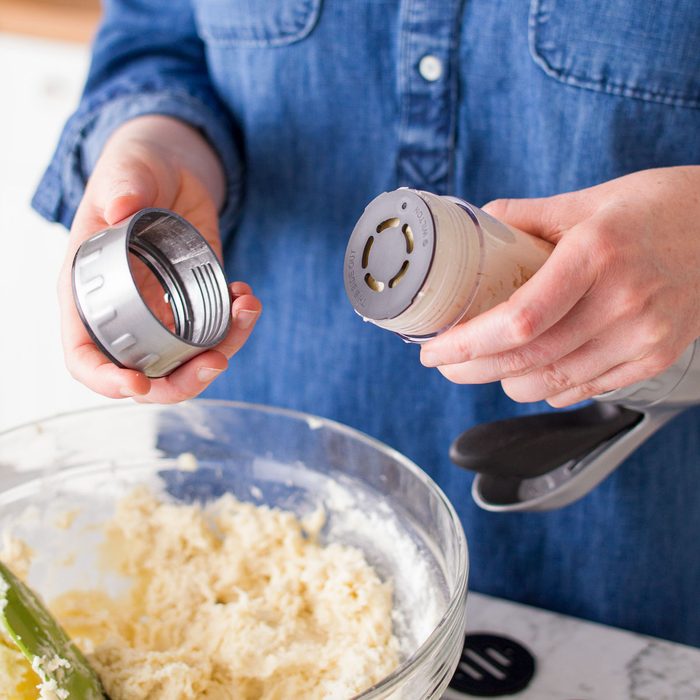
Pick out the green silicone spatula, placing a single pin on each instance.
(44, 642)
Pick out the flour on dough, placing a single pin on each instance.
(232, 600)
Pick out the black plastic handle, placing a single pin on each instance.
(530, 446)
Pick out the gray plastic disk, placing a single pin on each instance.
(389, 254)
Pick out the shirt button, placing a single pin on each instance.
(430, 68)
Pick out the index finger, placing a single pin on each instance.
(93, 369)
(531, 310)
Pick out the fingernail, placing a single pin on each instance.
(207, 374)
(245, 318)
(128, 393)
(428, 359)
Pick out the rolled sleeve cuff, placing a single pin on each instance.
(61, 188)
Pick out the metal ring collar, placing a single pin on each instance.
(114, 312)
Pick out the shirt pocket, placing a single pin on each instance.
(255, 23)
(646, 50)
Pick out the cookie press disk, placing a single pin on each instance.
(114, 311)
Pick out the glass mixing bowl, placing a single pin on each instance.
(375, 499)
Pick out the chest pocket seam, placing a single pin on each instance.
(222, 23)
(540, 47)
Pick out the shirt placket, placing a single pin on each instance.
(427, 93)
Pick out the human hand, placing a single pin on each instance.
(616, 303)
(152, 161)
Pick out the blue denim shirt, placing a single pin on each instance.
(316, 106)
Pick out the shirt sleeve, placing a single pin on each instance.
(147, 59)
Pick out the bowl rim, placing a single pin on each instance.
(408, 666)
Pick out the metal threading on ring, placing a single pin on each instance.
(118, 318)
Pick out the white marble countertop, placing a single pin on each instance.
(580, 660)
(41, 81)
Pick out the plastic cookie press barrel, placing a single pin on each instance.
(418, 263)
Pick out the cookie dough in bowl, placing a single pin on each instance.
(218, 550)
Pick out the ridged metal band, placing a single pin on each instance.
(113, 310)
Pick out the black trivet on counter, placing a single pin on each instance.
(491, 666)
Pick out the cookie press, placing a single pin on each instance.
(417, 264)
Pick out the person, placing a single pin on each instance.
(271, 125)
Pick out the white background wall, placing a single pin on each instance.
(40, 82)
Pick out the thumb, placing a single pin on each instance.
(545, 217)
(123, 205)
(133, 188)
